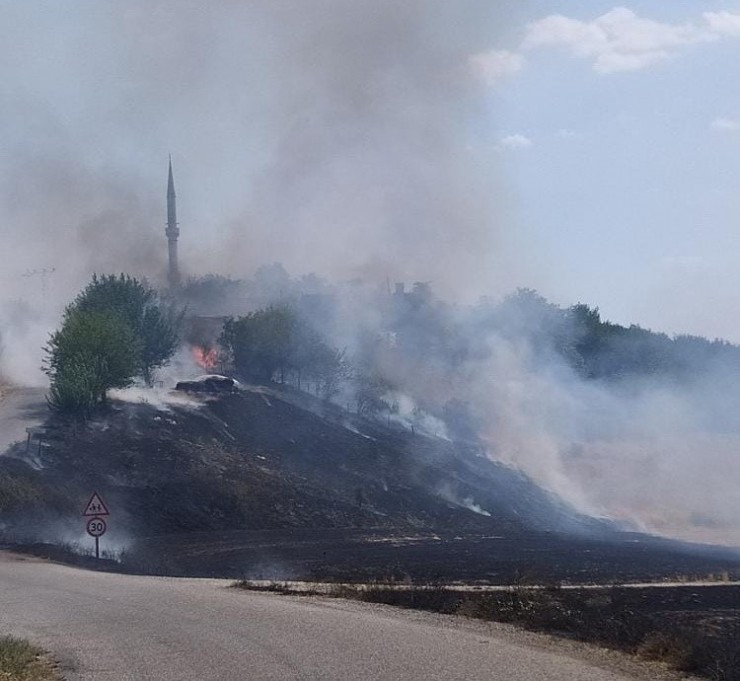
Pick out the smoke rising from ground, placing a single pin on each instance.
(658, 454)
(652, 442)
(336, 137)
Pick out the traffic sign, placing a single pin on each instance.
(96, 527)
(95, 506)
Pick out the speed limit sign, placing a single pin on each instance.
(96, 527)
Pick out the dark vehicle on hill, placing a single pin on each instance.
(210, 383)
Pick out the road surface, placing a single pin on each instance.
(20, 408)
(104, 626)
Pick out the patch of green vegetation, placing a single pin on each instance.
(117, 329)
(275, 343)
(21, 661)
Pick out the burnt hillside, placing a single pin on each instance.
(275, 483)
(260, 460)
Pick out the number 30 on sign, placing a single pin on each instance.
(96, 527)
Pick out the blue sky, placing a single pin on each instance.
(628, 181)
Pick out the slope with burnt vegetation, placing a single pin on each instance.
(273, 481)
(255, 460)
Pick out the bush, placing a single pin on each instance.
(92, 353)
(724, 658)
(274, 343)
(114, 330)
(154, 324)
(675, 649)
(73, 389)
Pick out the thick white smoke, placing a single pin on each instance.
(335, 136)
(656, 453)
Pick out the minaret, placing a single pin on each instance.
(172, 232)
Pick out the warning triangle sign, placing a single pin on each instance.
(95, 506)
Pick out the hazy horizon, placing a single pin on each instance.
(587, 151)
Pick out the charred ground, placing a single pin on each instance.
(274, 483)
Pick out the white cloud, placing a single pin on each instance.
(725, 125)
(515, 141)
(494, 65)
(723, 23)
(616, 41)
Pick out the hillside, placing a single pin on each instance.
(257, 460)
(273, 482)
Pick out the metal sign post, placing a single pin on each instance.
(96, 526)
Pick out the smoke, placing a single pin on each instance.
(374, 146)
(658, 454)
(655, 450)
(652, 443)
(24, 329)
(333, 136)
(472, 506)
(161, 399)
(405, 412)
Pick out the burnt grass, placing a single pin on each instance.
(272, 484)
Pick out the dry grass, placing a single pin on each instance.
(21, 661)
(674, 649)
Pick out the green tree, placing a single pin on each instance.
(262, 343)
(73, 389)
(154, 324)
(117, 328)
(275, 343)
(318, 362)
(92, 353)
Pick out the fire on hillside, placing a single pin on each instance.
(205, 357)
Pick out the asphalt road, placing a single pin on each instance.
(20, 408)
(103, 626)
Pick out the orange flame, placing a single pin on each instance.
(206, 358)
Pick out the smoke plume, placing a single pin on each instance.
(332, 136)
(339, 137)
